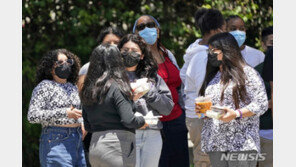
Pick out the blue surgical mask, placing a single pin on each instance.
(149, 35)
(240, 36)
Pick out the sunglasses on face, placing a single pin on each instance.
(143, 25)
(69, 61)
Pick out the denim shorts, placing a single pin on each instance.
(61, 146)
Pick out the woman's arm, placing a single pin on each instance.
(258, 97)
(159, 97)
(38, 113)
(232, 114)
(80, 82)
(125, 110)
(256, 90)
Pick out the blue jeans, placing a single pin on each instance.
(148, 148)
(61, 147)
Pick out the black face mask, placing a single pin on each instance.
(63, 71)
(212, 58)
(130, 59)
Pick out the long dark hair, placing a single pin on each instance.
(48, 60)
(105, 67)
(109, 30)
(146, 67)
(232, 67)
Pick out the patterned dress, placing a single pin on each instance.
(238, 134)
(49, 103)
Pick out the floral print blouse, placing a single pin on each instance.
(238, 134)
(49, 103)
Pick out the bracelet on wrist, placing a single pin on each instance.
(239, 113)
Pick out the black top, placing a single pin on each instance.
(115, 113)
(267, 73)
(265, 69)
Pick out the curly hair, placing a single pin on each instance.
(44, 70)
(146, 67)
(106, 66)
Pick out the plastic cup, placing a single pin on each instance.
(204, 103)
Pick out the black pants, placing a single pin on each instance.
(86, 143)
(175, 144)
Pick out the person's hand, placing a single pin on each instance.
(197, 111)
(137, 96)
(229, 115)
(144, 126)
(197, 108)
(84, 132)
(74, 113)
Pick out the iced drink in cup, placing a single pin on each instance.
(204, 103)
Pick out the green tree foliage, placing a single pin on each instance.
(75, 25)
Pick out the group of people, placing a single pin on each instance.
(91, 116)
